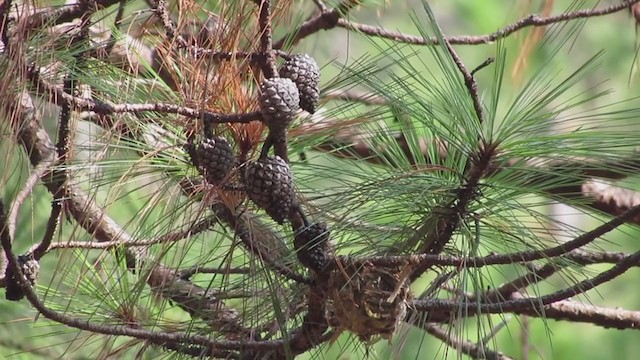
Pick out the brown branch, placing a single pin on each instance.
(187, 273)
(436, 237)
(610, 199)
(536, 303)
(104, 229)
(64, 136)
(58, 97)
(266, 42)
(12, 218)
(313, 331)
(326, 20)
(466, 347)
(191, 230)
(587, 313)
(469, 80)
(38, 172)
(531, 20)
(505, 291)
(263, 244)
(59, 15)
(355, 96)
(585, 258)
(156, 337)
(504, 259)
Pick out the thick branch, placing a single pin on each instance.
(586, 313)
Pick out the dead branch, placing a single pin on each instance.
(574, 311)
(531, 20)
(464, 346)
(92, 218)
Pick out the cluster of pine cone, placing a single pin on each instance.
(268, 181)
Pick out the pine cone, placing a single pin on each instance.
(30, 269)
(313, 247)
(279, 101)
(303, 70)
(269, 184)
(214, 158)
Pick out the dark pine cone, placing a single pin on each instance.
(279, 101)
(312, 246)
(303, 70)
(30, 269)
(269, 184)
(214, 158)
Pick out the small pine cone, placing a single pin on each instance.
(30, 269)
(313, 247)
(303, 70)
(279, 101)
(269, 184)
(214, 158)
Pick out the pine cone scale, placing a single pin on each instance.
(303, 70)
(214, 158)
(269, 184)
(279, 102)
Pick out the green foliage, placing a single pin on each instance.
(373, 209)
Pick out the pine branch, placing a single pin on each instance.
(574, 311)
(464, 346)
(192, 230)
(534, 303)
(326, 20)
(59, 15)
(349, 143)
(531, 20)
(57, 96)
(92, 218)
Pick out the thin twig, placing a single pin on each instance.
(484, 64)
(326, 20)
(510, 258)
(57, 15)
(469, 80)
(157, 337)
(191, 230)
(531, 20)
(355, 96)
(37, 173)
(536, 303)
(506, 290)
(188, 273)
(103, 228)
(55, 95)
(246, 235)
(160, 7)
(111, 41)
(466, 347)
